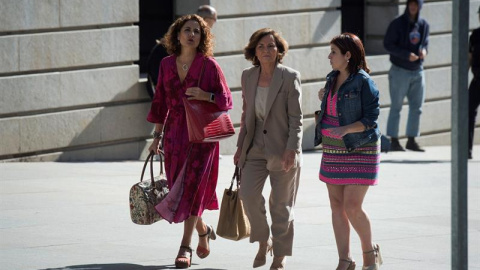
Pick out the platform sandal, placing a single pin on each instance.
(183, 261)
(202, 252)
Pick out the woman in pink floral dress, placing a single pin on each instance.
(191, 168)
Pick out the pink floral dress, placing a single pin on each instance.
(191, 168)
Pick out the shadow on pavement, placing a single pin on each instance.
(113, 266)
(119, 266)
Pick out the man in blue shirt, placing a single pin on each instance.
(407, 42)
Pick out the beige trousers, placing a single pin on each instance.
(281, 202)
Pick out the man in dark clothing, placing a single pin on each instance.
(474, 89)
(407, 42)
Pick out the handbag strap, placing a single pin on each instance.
(201, 72)
(236, 176)
(150, 159)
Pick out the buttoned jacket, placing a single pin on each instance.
(282, 125)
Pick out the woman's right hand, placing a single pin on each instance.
(236, 157)
(155, 146)
(321, 93)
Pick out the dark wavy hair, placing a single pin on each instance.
(172, 44)
(249, 50)
(348, 42)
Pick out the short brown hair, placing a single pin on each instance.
(348, 42)
(171, 37)
(249, 50)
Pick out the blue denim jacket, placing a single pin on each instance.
(357, 101)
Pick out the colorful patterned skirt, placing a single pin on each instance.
(340, 167)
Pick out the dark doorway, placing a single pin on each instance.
(155, 18)
(353, 12)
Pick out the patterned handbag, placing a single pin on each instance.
(147, 193)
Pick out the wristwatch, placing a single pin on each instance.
(157, 134)
(212, 97)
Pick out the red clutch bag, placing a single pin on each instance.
(205, 122)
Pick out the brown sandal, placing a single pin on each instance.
(351, 264)
(182, 261)
(202, 252)
(378, 258)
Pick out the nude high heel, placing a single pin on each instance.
(351, 264)
(261, 258)
(378, 258)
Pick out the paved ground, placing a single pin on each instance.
(75, 216)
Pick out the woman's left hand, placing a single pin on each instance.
(288, 159)
(338, 131)
(197, 94)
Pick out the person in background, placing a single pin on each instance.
(191, 168)
(474, 89)
(208, 13)
(347, 126)
(406, 40)
(158, 52)
(270, 144)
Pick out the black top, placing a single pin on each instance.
(474, 49)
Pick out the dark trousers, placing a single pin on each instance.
(473, 102)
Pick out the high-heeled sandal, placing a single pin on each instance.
(261, 258)
(202, 252)
(278, 263)
(378, 258)
(351, 264)
(182, 261)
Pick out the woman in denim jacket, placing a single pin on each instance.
(347, 128)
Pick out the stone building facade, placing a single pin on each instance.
(70, 88)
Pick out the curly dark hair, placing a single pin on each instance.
(348, 42)
(171, 37)
(249, 50)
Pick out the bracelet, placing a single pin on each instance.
(157, 135)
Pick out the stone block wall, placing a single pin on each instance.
(308, 27)
(69, 89)
(435, 121)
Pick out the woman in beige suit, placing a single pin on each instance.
(269, 144)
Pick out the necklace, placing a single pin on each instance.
(184, 67)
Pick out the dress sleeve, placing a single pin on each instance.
(158, 110)
(219, 87)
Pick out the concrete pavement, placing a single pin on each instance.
(76, 216)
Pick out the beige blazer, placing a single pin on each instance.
(282, 127)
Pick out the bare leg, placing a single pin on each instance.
(188, 226)
(341, 226)
(202, 229)
(354, 196)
